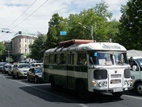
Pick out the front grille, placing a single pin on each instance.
(127, 73)
(100, 74)
(115, 75)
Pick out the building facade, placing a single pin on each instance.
(20, 46)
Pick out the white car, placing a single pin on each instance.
(20, 70)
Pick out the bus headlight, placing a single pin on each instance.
(102, 83)
(94, 83)
(128, 82)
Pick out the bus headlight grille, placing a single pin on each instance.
(127, 73)
(100, 74)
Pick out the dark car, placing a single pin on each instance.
(6, 68)
(2, 66)
(35, 74)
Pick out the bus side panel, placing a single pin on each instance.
(76, 74)
(45, 74)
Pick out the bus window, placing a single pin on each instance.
(55, 58)
(51, 58)
(120, 58)
(71, 59)
(62, 59)
(46, 59)
(97, 58)
(82, 60)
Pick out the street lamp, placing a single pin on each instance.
(89, 28)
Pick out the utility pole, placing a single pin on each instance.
(8, 56)
(89, 28)
(92, 33)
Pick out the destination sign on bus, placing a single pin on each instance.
(111, 46)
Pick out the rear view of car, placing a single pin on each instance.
(2, 66)
(7, 67)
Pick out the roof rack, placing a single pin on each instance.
(74, 41)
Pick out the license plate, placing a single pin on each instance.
(117, 90)
(115, 81)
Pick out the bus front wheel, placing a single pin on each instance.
(53, 85)
(82, 91)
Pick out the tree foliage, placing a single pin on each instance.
(2, 48)
(38, 47)
(131, 25)
(77, 26)
(56, 24)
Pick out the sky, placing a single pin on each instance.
(32, 16)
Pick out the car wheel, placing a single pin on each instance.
(13, 76)
(36, 79)
(8, 74)
(28, 79)
(139, 88)
(17, 76)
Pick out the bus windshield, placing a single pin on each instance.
(107, 58)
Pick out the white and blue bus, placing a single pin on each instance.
(87, 67)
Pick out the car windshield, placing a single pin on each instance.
(38, 70)
(107, 58)
(24, 66)
(140, 61)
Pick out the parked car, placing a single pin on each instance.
(2, 66)
(33, 65)
(35, 74)
(20, 70)
(10, 70)
(6, 68)
(136, 73)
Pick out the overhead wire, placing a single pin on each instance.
(30, 14)
(22, 14)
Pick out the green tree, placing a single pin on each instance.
(96, 17)
(56, 24)
(101, 10)
(9, 60)
(78, 26)
(2, 48)
(131, 25)
(38, 47)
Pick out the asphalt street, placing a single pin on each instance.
(20, 93)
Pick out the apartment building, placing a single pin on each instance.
(20, 45)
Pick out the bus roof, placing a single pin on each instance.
(74, 41)
(87, 45)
